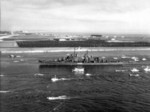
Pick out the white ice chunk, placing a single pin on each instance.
(120, 70)
(124, 56)
(4, 91)
(144, 59)
(1, 75)
(16, 61)
(63, 97)
(55, 79)
(135, 75)
(134, 70)
(18, 56)
(88, 74)
(115, 58)
(147, 69)
(39, 74)
(135, 58)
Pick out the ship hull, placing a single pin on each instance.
(78, 64)
(86, 43)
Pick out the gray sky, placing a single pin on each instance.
(117, 16)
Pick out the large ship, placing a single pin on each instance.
(92, 41)
(75, 60)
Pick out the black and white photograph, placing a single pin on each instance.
(74, 55)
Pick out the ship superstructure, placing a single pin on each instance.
(74, 59)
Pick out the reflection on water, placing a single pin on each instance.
(99, 88)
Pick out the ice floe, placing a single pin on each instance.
(120, 70)
(135, 58)
(144, 59)
(88, 74)
(18, 56)
(55, 79)
(15, 61)
(39, 74)
(124, 56)
(4, 91)
(147, 69)
(115, 58)
(1, 75)
(63, 97)
(135, 75)
(12, 56)
(21, 59)
(134, 70)
(78, 69)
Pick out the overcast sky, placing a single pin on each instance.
(117, 16)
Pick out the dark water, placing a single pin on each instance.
(106, 90)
